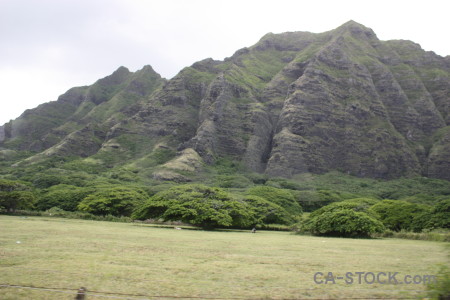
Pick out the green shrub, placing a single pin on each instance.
(313, 200)
(440, 214)
(198, 205)
(344, 223)
(66, 197)
(15, 195)
(399, 215)
(281, 197)
(60, 213)
(116, 201)
(350, 218)
(358, 205)
(46, 181)
(233, 181)
(310, 200)
(226, 166)
(282, 183)
(258, 178)
(274, 227)
(268, 212)
(363, 202)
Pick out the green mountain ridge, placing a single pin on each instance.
(294, 103)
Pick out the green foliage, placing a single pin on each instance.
(48, 177)
(258, 178)
(363, 202)
(358, 205)
(226, 166)
(86, 165)
(283, 183)
(17, 200)
(312, 200)
(268, 212)
(63, 196)
(404, 187)
(441, 288)
(38, 122)
(106, 87)
(124, 174)
(345, 223)
(15, 195)
(233, 181)
(57, 212)
(60, 213)
(116, 201)
(440, 214)
(350, 218)
(46, 181)
(198, 205)
(424, 190)
(11, 186)
(281, 197)
(157, 157)
(397, 215)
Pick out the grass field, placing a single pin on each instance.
(115, 259)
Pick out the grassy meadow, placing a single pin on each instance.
(139, 261)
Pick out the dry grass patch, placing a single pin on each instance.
(146, 260)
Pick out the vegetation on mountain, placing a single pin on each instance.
(340, 124)
(294, 103)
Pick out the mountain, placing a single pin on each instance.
(294, 103)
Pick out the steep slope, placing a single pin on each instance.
(298, 102)
(28, 131)
(77, 122)
(293, 103)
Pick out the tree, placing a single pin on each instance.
(281, 197)
(15, 195)
(66, 197)
(400, 215)
(267, 212)
(358, 205)
(116, 200)
(440, 214)
(350, 218)
(344, 223)
(44, 181)
(200, 205)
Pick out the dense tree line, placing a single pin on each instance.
(334, 213)
(15, 195)
(363, 217)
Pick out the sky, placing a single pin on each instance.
(49, 46)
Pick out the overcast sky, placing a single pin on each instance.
(49, 46)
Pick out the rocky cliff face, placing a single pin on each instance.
(78, 111)
(293, 103)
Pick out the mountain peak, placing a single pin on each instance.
(147, 69)
(356, 29)
(352, 23)
(295, 102)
